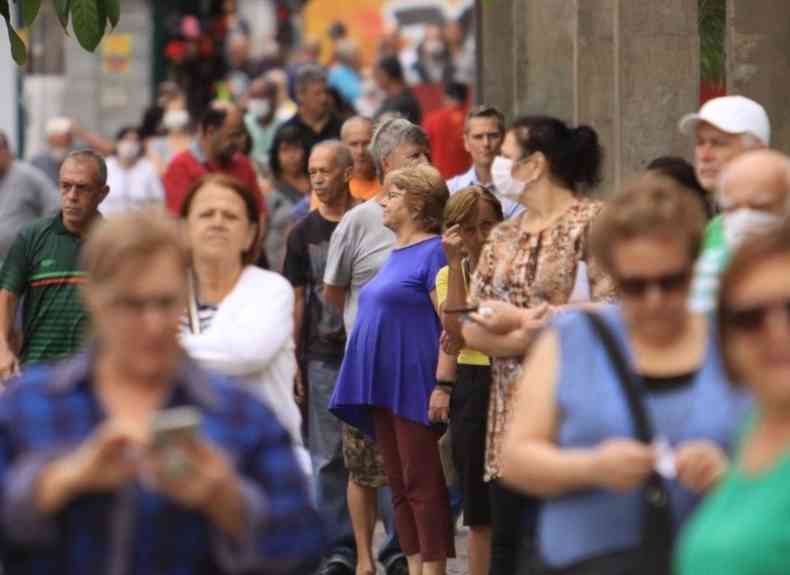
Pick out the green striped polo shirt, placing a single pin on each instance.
(43, 266)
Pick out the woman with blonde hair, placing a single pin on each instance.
(388, 373)
(623, 415)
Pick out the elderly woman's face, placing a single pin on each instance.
(136, 314)
(757, 331)
(653, 274)
(218, 226)
(395, 211)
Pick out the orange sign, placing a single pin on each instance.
(116, 50)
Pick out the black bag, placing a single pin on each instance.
(654, 555)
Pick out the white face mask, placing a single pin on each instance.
(740, 224)
(506, 186)
(128, 150)
(175, 119)
(259, 107)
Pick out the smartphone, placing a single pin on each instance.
(174, 425)
(464, 309)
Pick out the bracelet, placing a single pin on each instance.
(446, 383)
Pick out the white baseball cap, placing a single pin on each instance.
(731, 114)
(57, 126)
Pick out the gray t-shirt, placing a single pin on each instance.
(359, 247)
(26, 195)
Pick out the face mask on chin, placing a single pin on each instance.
(743, 223)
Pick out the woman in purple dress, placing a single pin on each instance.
(388, 373)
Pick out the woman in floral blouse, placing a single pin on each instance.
(537, 262)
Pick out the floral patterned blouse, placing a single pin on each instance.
(526, 269)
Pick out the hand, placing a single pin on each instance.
(439, 405)
(450, 345)
(453, 244)
(192, 472)
(9, 364)
(299, 394)
(107, 459)
(700, 465)
(622, 464)
(501, 318)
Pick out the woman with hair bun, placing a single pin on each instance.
(531, 264)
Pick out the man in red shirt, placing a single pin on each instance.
(445, 128)
(215, 149)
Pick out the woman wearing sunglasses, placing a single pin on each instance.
(572, 439)
(742, 529)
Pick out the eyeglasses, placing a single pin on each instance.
(393, 194)
(751, 319)
(638, 286)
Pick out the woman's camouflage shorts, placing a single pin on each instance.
(363, 459)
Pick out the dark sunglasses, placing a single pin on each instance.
(752, 318)
(636, 286)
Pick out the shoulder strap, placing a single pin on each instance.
(192, 306)
(644, 429)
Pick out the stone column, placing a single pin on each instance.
(629, 69)
(758, 59)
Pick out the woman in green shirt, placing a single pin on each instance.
(743, 528)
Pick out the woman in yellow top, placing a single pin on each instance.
(470, 214)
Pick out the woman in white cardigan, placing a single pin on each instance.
(240, 317)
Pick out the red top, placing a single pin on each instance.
(445, 128)
(186, 168)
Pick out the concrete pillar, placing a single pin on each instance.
(758, 59)
(629, 69)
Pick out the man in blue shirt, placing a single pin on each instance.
(89, 487)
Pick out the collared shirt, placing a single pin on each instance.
(43, 266)
(330, 131)
(52, 409)
(510, 208)
(190, 165)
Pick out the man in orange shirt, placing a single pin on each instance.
(356, 133)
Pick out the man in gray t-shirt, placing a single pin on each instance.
(360, 245)
(25, 196)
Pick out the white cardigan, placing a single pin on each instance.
(251, 337)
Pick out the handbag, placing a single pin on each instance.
(657, 524)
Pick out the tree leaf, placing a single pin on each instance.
(62, 9)
(88, 20)
(113, 10)
(30, 11)
(18, 48)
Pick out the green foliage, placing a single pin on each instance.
(712, 31)
(89, 19)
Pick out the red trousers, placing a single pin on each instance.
(419, 492)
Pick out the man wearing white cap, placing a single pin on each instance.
(724, 128)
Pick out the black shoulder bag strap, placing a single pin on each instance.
(657, 524)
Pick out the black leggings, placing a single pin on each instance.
(513, 518)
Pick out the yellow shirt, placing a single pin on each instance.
(467, 356)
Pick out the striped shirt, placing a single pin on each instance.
(42, 266)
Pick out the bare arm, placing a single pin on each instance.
(456, 297)
(335, 295)
(9, 364)
(533, 462)
(99, 143)
(512, 344)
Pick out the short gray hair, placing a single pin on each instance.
(88, 155)
(308, 74)
(343, 156)
(391, 134)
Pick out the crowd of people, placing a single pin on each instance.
(235, 343)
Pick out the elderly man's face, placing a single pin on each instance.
(136, 314)
(713, 150)
(357, 137)
(80, 193)
(328, 178)
(407, 154)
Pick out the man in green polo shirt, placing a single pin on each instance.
(43, 266)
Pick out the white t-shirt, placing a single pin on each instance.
(130, 188)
